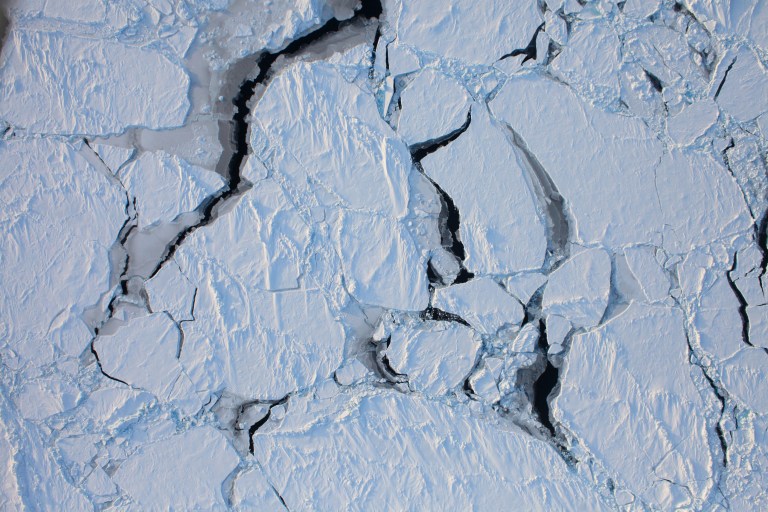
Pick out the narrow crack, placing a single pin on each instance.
(280, 497)
(376, 38)
(725, 75)
(3, 26)
(694, 359)
(762, 243)
(101, 368)
(742, 302)
(718, 394)
(385, 367)
(178, 324)
(718, 426)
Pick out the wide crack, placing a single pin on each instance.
(449, 220)
(235, 151)
(529, 51)
(550, 200)
(743, 304)
(544, 386)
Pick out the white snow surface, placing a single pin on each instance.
(410, 353)
(184, 471)
(466, 255)
(500, 226)
(391, 438)
(434, 105)
(579, 290)
(88, 86)
(619, 392)
(482, 302)
(165, 186)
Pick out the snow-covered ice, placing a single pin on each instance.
(396, 254)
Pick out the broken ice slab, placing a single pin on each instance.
(718, 323)
(183, 472)
(688, 185)
(252, 491)
(523, 286)
(744, 77)
(143, 354)
(40, 483)
(578, 290)
(60, 217)
(748, 448)
(483, 383)
(244, 28)
(371, 450)
(726, 336)
(500, 227)
(113, 156)
(256, 343)
(375, 250)
(590, 59)
(482, 302)
(606, 165)
(758, 325)
(558, 328)
(474, 32)
(435, 357)
(556, 27)
(640, 8)
(81, 85)
(163, 186)
(170, 291)
(348, 156)
(648, 272)
(527, 340)
(433, 105)
(627, 394)
(692, 122)
(665, 55)
(45, 396)
(113, 405)
(744, 376)
(265, 237)
(260, 329)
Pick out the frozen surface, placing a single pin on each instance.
(482, 302)
(410, 353)
(183, 471)
(391, 438)
(86, 86)
(151, 362)
(433, 105)
(579, 289)
(500, 226)
(165, 186)
(616, 392)
(474, 32)
(413, 255)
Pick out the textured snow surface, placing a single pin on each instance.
(402, 255)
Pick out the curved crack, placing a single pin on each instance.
(449, 220)
(552, 203)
